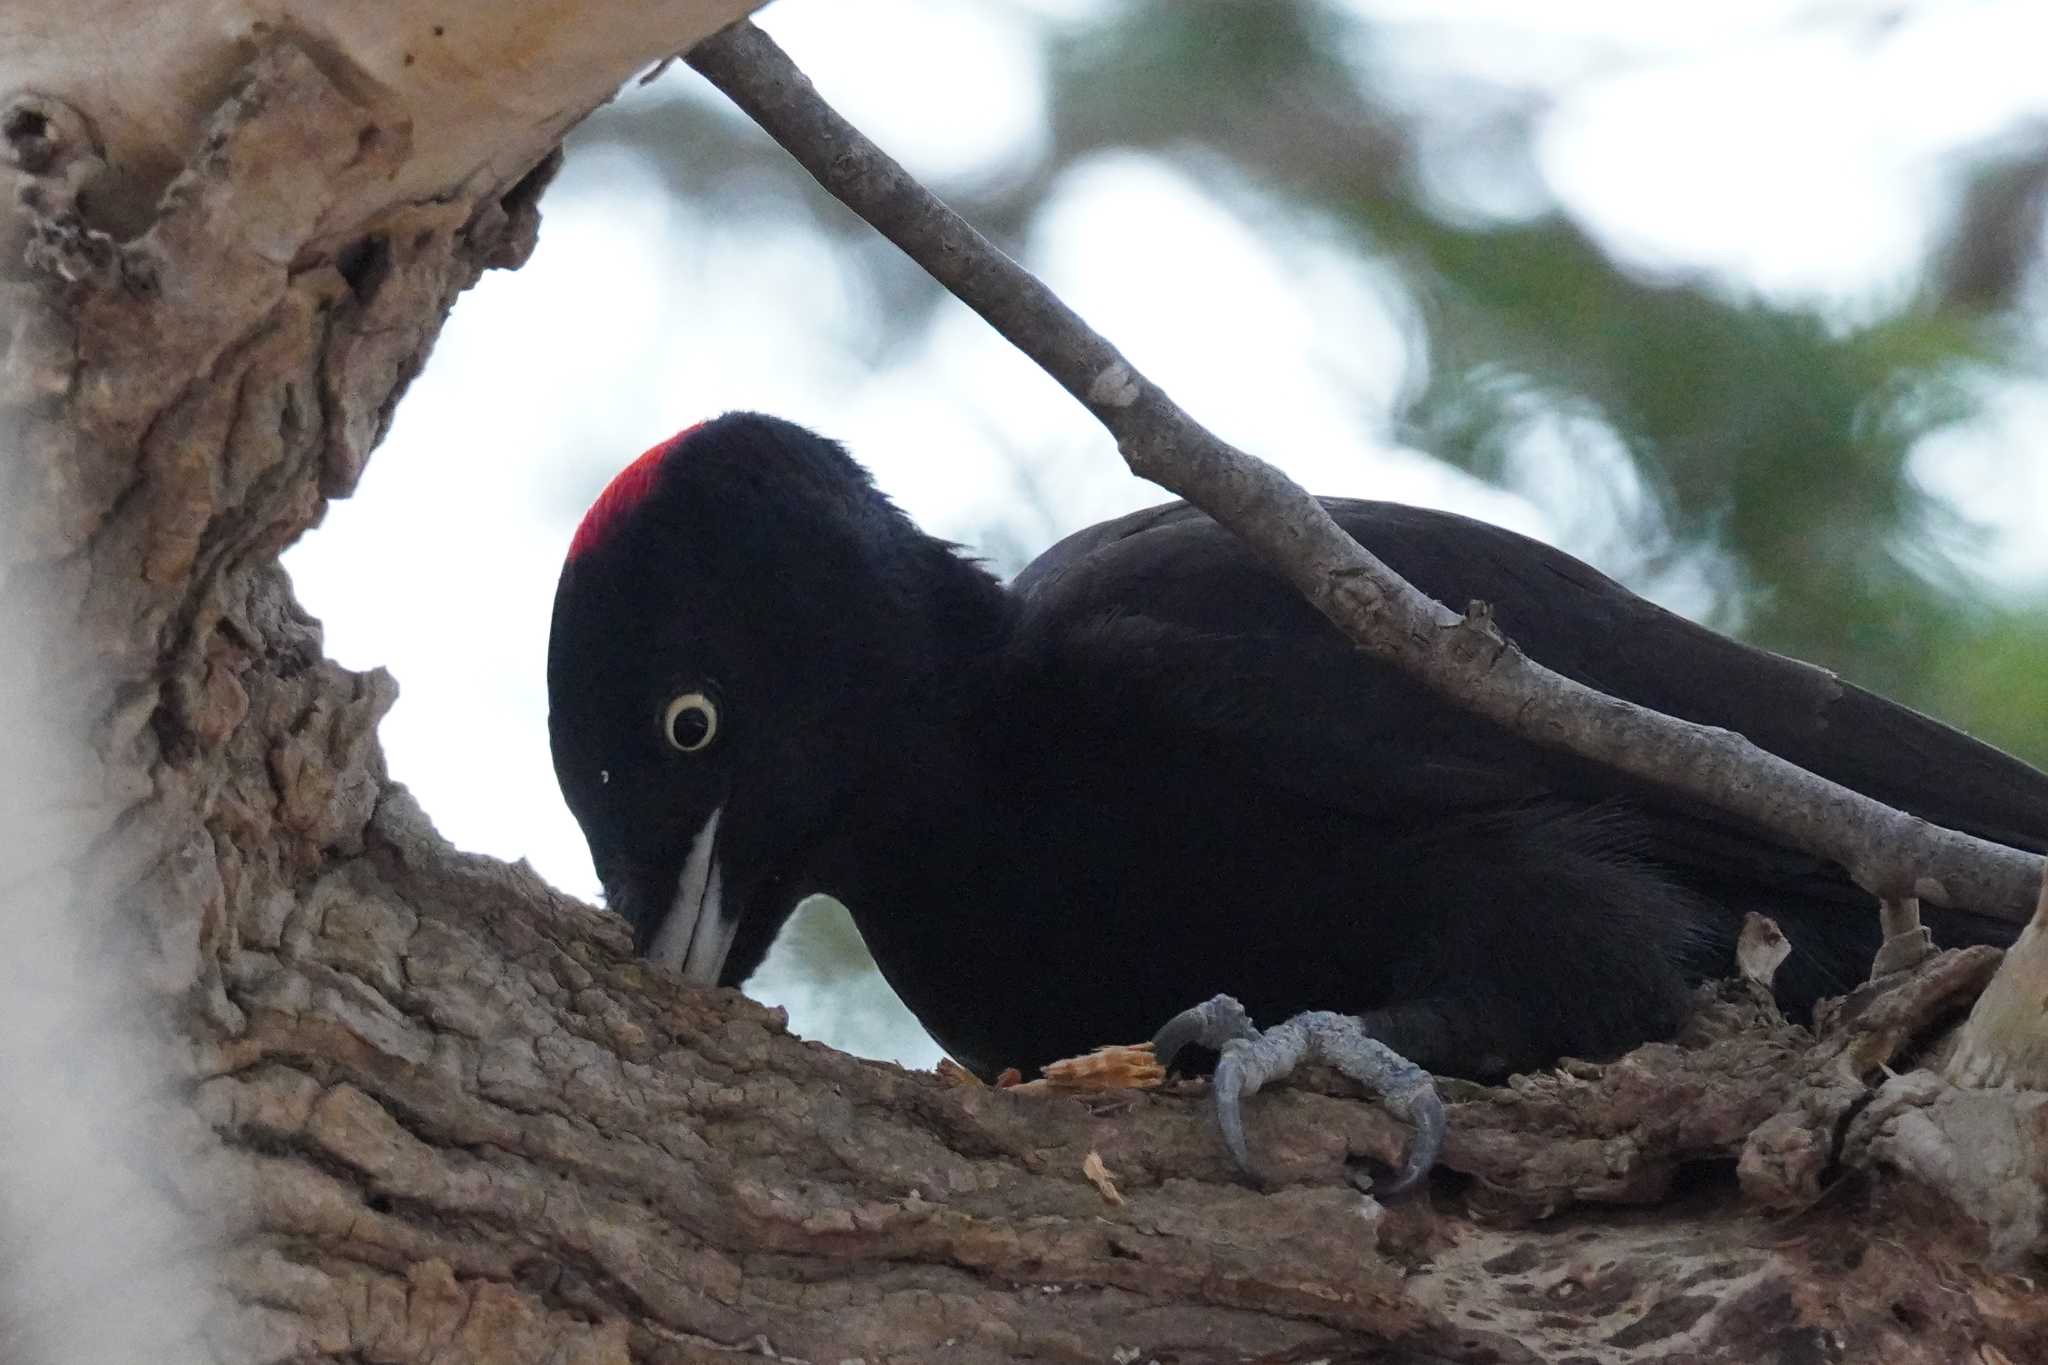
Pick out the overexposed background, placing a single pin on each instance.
(1654, 282)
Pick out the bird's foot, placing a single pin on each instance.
(1248, 1058)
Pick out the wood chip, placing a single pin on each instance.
(1107, 1068)
(952, 1073)
(1099, 1176)
(1761, 948)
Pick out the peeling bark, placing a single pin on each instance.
(418, 1106)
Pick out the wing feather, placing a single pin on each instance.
(1226, 655)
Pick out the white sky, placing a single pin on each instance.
(1794, 159)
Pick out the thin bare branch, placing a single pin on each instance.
(1887, 851)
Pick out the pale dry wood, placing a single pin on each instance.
(445, 96)
(2005, 1041)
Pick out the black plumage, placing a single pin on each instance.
(1146, 772)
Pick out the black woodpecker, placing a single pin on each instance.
(1145, 772)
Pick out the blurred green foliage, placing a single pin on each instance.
(1765, 448)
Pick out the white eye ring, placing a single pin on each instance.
(690, 722)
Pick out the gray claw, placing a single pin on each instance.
(1238, 1074)
(1248, 1059)
(1211, 1024)
(1424, 1109)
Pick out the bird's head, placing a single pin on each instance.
(733, 611)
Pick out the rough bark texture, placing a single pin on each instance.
(419, 1107)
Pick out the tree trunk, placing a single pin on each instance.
(290, 1078)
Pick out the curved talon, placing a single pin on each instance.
(1228, 1087)
(1244, 1066)
(1424, 1109)
(1211, 1024)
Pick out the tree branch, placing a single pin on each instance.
(1888, 852)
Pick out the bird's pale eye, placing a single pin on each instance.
(690, 722)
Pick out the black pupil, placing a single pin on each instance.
(690, 727)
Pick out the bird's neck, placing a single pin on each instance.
(951, 623)
(920, 632)
(960, 613)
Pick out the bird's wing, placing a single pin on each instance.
(1179, 628)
